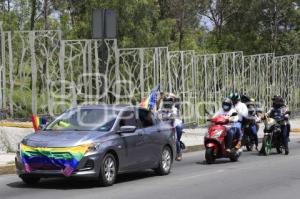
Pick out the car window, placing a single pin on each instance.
(127, 119)
(84, 119)
(146, 118)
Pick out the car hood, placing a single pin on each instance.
(61, 138)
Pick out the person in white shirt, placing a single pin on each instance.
(242, 111)
(170, 111)
(178, 125)
(227, 110)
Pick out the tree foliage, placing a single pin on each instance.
(253, 26)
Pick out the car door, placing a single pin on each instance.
(132, 141)
(151, 148)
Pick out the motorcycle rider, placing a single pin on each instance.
(279, 112)
(253, 117)
(242, 111)
(228, 110)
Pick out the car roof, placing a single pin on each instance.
(117, 107)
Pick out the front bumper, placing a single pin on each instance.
(89, 167)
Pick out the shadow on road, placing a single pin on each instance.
(218, 161)
(76, 183)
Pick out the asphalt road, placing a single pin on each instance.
(255, 177)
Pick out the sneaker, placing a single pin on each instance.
(178, 158)
(239, 144)
(256, 148)
(287, 151)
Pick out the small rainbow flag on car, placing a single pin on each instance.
(37, 122)
(65, 159)
(150, 101)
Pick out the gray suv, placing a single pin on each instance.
(119, 138)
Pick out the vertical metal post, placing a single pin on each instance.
(11, 78)
(142, 82)
(1, 63)
(34, 72)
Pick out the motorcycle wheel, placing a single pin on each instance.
(209, 156)
(267, 145)
(234, 158)
(249, 144)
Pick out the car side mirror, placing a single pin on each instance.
(127, 129)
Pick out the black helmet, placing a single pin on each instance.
(168, 102)
(235, 97)
(245, 98)
(226, 104)
(278, 101)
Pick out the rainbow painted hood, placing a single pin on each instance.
(65, 159)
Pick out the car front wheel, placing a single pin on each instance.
(108, 171)
(165, 163)
(30, 180)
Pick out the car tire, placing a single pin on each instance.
(165, 162)
(108, 170)
(30, 180)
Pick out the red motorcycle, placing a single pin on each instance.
(214, 141)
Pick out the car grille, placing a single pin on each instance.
(47, 163)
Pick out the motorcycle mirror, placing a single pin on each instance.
(234, 114)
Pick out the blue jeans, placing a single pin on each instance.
(231, 134)
(239, 132)
(179, 131)
(253, 130)
(285, 135)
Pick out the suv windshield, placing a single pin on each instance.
(85, 119)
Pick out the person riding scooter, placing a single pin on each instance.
(242, 111)
(228, 110)
(280, 113)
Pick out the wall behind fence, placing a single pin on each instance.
(44, 74)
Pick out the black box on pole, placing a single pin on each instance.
(104, 24)
(110, 24)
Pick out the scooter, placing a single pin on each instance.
(214, 141)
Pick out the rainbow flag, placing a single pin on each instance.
(150, 101)
(37, 122)
(64, 159)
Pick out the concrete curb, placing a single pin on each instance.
(7, 169)
(295, 130)
(17, 124)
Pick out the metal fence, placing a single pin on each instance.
(43, 74)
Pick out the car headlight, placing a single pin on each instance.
(93, 147)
